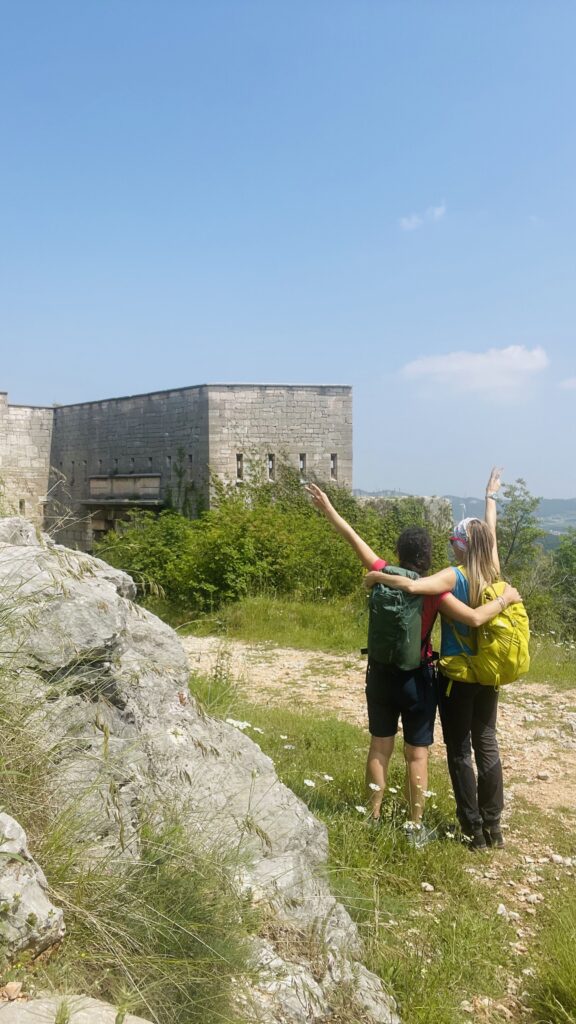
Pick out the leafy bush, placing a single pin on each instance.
(260, 538)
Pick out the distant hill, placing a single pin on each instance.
(556, 515)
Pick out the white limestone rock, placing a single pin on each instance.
(109, 684)
(28, 919)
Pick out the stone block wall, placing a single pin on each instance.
(25, 443)
(97, 460)
(254, 421)
(163, 434)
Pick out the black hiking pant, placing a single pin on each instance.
(468, 715)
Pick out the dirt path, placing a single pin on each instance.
(537, 723)
(537, 734)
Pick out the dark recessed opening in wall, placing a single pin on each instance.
(22, 506)
(302, 464)
(239, 466)
(271, 467)
(333, 466)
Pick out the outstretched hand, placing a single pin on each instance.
(320, 500)
(495, 482)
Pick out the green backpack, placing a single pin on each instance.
(395, 624)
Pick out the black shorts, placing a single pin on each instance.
(392, 693)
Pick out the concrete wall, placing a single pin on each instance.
(99, 459)
(285, 421)
(25, 441)
(162, 434)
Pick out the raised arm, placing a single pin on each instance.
(322, 502)
(492, 488)
(457, 611)
(439, 583)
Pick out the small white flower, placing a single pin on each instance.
(429, 792)
(328, 778)
(309, 782)
(289, 746)
(374, 786)
(449, 835)
(392, 789)
(256, 728)
(283, 737)
(237, 724)
(360, 809)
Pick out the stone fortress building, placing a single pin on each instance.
(78, 469)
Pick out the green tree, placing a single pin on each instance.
(564, 562)
(518, 529)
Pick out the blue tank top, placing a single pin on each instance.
(449, 644)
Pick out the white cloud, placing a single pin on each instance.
(569, 384)
(436, 212)
(416, 220)
(411, 223)
(499, 373)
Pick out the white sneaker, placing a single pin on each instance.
(418, 835)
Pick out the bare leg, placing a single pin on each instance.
(416, 780)
(379, 755)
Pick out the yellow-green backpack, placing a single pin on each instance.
(502, 647)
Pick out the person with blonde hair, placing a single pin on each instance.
(468, 710)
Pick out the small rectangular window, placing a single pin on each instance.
(149, 462)
(99, 466)
(72, 477)
(131, 465)
(85, 468)
(115, 465)
(333, 466)
(22, 506)
(271, 467)
(302, 464)
(239, 466)
(169, 465)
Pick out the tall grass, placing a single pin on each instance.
(156, 929)
(553, 987)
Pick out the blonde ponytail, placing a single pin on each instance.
(478, 560)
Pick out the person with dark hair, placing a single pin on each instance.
(393, 693)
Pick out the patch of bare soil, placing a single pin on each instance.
(537, 736)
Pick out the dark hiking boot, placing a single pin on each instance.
(476, 842)
(493, 837)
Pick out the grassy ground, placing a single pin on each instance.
(437, 948)
(432, 932)
(338, 625)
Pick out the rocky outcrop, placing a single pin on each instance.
(109, 682)
(28, 920)
(71, 1008)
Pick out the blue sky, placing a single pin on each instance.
(373, 193)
